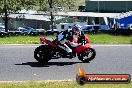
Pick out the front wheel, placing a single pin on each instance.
(87, 55)
(42, 54)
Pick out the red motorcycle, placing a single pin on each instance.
(50, 50)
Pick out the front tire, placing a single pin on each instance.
(86, 57)
(42, 53)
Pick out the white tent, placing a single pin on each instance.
(88, 14)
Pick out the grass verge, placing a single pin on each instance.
(110, 39)
(32, 84)
(95, 39)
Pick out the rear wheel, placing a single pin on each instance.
(87, 55)
(42, 53)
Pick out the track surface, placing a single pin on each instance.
(18, 64)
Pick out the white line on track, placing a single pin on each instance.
(46, 81)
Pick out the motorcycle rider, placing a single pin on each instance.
(67, 35)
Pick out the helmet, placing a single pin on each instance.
(76, 28)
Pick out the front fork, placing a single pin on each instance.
(41, 42)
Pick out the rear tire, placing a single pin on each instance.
(42, 53)
(84, 56)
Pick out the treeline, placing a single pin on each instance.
(15, 5)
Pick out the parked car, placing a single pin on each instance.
(87, 28)
(41, 30)
(95, 27)
(54, 30)
(105, 27)
(2, 28)
(27, 30)
(130, 26)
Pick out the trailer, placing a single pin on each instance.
(124, 20)
(64, 26)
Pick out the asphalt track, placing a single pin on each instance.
(18, 64)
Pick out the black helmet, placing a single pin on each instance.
(76, 28)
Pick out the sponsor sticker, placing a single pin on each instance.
(83, 78)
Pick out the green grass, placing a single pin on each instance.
(19, 40)
(109, 39)
(95, 39)
(32, 84)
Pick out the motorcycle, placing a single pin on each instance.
(50, 50)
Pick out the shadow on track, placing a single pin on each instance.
(37, 64)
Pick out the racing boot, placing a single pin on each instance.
(70, 55)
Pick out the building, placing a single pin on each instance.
(122, 7)
(111, 6)
(29, 20)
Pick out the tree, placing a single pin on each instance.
(12, 6)
(58, 3)
(66, 4)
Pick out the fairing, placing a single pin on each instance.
(48, 42)
(80, 49)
